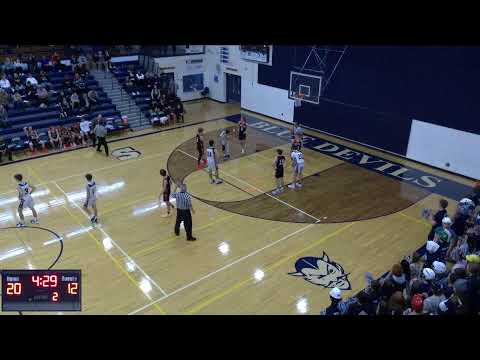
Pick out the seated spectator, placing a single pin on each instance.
(155, 94)
(79, 84)
(82, 65)
(42, 97)
(85, 130)
(77, 138)
(397, 277)
(5, 83)
(396, 304)
(4, 98)
(17, 83)
(18, 102)
(30, 79)
(158, 116)
(84, 104)
(4, 150)
(8, 64)
(93, 97)
(436, 220)
(67, 84)
(54, 138)
(3, 117)
(337, 306)
(441, 273)
(44, 80)
(431, 303)
(33, 139)
(179, 111)
(75, 100)
(362, 305)
(66, 137)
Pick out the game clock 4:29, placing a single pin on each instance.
(41, 290)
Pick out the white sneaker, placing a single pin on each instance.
(292, 186)
(34, 221)
(218, 181)
(299, 185)
(276, 192)
(20, 225)
(243, 151)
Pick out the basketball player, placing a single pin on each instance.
(224, 140)
(242, 133)
(91, 202)
(296, 143)
(25, 200)
(297, 164)
(166, 189)
(212, 161)
(278, 165)
(200, 148)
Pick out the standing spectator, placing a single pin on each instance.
(465, 210)
(30, 79)
(84, 104)
(431, 254)
(79, 84)
(438, 217)
(101, 135)
(337, 306)
(184, 210)
(397, 277)
(416, 306)
(155, 94)
(444, 235)
(140, 79)
(5, 83)
(108, 60)
(415, 266)
(396, 304)
(430, 305)
(441, 273)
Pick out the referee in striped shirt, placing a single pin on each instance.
(184, 206)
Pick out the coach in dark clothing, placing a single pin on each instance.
(101, 135)
(184, 206)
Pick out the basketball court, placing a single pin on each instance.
(255, 253)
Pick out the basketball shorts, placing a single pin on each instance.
(278, 173)
(212, 166)
(26, 202)
(166, 196)
(298, 169)
(242, 137)
(91, 202)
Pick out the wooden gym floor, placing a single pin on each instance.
(133, 263)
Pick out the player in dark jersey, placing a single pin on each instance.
(296, 143)
(242, 133)
(166, 190)
(200, 148)
(278, 165)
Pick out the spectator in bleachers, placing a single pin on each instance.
(5, 83)
(3, 117)
(93, 97)
(66, 137)
(33, 139)
(139, 79)
(430, 305)
(416, 306)
(85, 130)
(155, 94)
(67, 84)
(4, 98)
(75, 100)
(436, 220)
(130, 83)
(108, 60)
(54, 138)
(396, 304)
(44, 63)
(337, 306)
(55, 61)
(42, 97)
(82, 64)
(77, 138)
(85, 105)
(79, 84)
(44, 80)
(179, 111)
(31, 79)
(64, 105)
(17, 101)
(4, 149)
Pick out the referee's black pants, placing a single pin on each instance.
(102, 141)
(186, 217)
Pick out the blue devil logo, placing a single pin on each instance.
(322, 271)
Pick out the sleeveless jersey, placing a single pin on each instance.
(199, 142)
(242, 131)
(91, 190)
(279, 163)
(211, 154)
(24, 190)
(167, 184)
(298, 157)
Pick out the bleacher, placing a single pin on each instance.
(143, 100)
(42, 118)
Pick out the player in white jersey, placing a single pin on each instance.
(91, 202)
(25, 200)
(212, 162)
(225, 142)
(297, 164)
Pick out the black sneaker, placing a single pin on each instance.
(192, 239)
